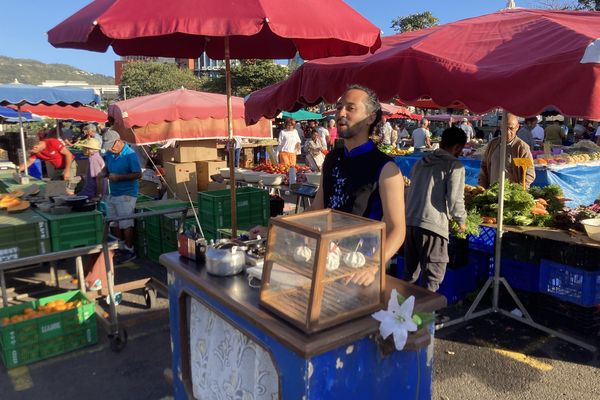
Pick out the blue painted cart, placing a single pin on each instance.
(226, 346)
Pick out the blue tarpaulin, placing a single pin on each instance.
(406, 163)
(580, 183)
(10, 115)
(18, 94)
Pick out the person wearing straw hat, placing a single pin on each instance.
(92, 188)
(122, 167)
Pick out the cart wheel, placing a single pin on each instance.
(118, 341)
(150, 297)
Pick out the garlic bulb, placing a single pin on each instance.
(354, 259)
(302, 254)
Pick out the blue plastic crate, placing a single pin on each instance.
(483, 263)
(521, 275)
(569, 283)
(485, 241)
(457, 283)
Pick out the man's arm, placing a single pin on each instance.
(455, 187)
(391, 191)
(68, 161)
(428, 140)
(318, 203)
(484, 177)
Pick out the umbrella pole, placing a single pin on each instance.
(499, 216)
(22, 133)
(231, 144)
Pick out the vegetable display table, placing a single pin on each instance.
(224, 344)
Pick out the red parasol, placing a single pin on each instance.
(84, 114)
(223, 29)
(521, 60)
(181, 114)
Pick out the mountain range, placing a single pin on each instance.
(35, 72)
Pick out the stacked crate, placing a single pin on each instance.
(22, 235)
(77, 229)
(158, 234)
(253, 208)
(33, 338)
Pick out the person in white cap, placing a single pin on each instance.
(464, 125)
(122, 167)
(92, 187)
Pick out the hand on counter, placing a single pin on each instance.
(365, 277)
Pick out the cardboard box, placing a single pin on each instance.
(216, 186)
(178, 177)
(204, 169)
(189, 151)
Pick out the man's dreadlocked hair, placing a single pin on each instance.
(373, 106)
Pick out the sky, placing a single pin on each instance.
(25, 23)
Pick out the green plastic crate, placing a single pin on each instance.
(142, 198)
(253, 208)
(8, 184)
(13, 251)
(47, 326)
(46, 336)
(22, 227)
(76, 229)
(85, 335)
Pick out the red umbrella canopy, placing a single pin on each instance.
(84, 114)
(521, 60)
(266, 29)
(181, 114)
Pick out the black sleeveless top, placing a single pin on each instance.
(351, 180)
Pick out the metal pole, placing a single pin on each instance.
(23, 149)
(230, 136)
(499, 220)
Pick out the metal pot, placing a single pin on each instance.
(225, 259)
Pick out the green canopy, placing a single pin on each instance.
(302, 115)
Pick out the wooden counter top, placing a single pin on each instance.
(553, 234)
(235, 294)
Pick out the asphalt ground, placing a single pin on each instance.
(492, 357)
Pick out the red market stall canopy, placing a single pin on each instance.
(428, 103)
(452, 118)
(181, 114)
(83, 113)
(390, 111)
(520, 60)
(256, 29)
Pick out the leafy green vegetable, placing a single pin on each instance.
(472, 222)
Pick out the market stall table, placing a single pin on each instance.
(219, 318)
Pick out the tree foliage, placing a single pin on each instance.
(589, 4)
(248, 76)
(414, 22)
(144, 78)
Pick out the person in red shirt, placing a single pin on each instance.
(60, 163)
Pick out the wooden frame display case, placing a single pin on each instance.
(311, 261)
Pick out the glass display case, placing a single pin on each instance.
(313, 263)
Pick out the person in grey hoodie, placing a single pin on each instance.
(435, 196)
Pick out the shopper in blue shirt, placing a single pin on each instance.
(122, 168)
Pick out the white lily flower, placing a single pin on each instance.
(397, 320)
